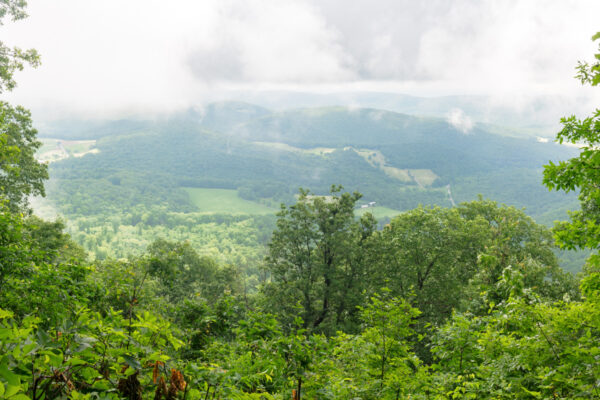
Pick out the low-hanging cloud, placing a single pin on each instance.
(459, 120)
(147, 55)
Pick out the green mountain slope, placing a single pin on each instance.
(383, 154)
(395, 160)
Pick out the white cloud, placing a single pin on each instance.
(458, 119)
(509, 46)
(103, 57)
(267, 41)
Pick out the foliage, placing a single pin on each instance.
(315, 260)
(86, 357)
(448, 258)
(580, 173)
(20, 174)
(236, 239)
(430, 252)
(183, 273)
(513, 239)
(523, 349)
(390, 364)
(56, 245)
(13, 59)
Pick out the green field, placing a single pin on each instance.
(226, 201)
(378, 212)
(424, 177)
(58, 149)
(78, 147)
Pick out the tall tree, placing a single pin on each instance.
(445, 258)
(315, 260)
(427, 254)
(20, 174)
(513, 240)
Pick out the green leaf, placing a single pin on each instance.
(28, 348)
(1, 389)
(132, 362)
(20, 396)
(43, 338)
(56, 357)
(76, 361)
(11, 390)
(11, 378)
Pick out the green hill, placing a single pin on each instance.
(396, 160)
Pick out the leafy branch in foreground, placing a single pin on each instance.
(580, 173)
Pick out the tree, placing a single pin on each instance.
(427, 254)
(56, 245)
(580, 173)
(185, 274)
(447, 257)
(13, 59)
(316, 260)
(513, 239)
(522, 349)
(390, 363)
(20, 174)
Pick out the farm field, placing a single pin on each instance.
(424, 177)
(378, 212)
(58, 149)
(226, 201)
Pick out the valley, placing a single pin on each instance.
(242, 161)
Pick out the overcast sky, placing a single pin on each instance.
(119, 56)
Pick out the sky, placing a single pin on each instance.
(118, 57)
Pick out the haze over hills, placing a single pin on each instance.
(395, 159)
(516, 115)
(128, 169)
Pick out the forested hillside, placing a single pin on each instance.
(148, 177)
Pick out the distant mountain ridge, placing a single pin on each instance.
(267, 155)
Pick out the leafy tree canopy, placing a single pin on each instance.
(21, 175)
(580, 173)
(315, 259)
(12, 59)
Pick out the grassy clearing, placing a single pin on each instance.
(47, 145)
(279, 146)
(225, 201)
(378, 212)
(58, 149)
(400, 174)
(373, 157)
(377, 160)
(425, 177)
(78, 147)
(319, 151)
